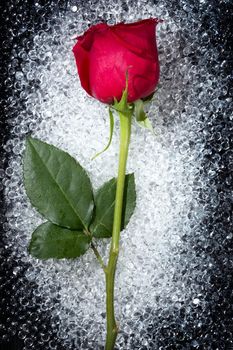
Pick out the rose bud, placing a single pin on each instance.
(105, 53)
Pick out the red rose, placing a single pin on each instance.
(105, 53)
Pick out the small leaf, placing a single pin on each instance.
(111, 118)
(102, 225)
(57, 186)
(139, 111)
(146, 123)
(141, 116)
(52, 241)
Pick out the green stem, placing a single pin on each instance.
(98, 256)
(112, 327)
(95, 250)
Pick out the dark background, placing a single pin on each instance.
(218, 332)
(12, 287)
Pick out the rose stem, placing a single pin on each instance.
(112, 327)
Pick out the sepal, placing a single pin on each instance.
(141, 116)
(123, 106)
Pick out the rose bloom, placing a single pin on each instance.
(104, 53)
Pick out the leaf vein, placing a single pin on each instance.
(60, 188)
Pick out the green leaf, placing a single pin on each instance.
(111, 118)
(141, 116)
(102, 225)
(139, 111)
(52, 241)
(57, 186)
(146, 123)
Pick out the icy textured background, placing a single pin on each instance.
(166, 264)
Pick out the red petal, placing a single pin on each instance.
(138, 37)
(82, 62)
